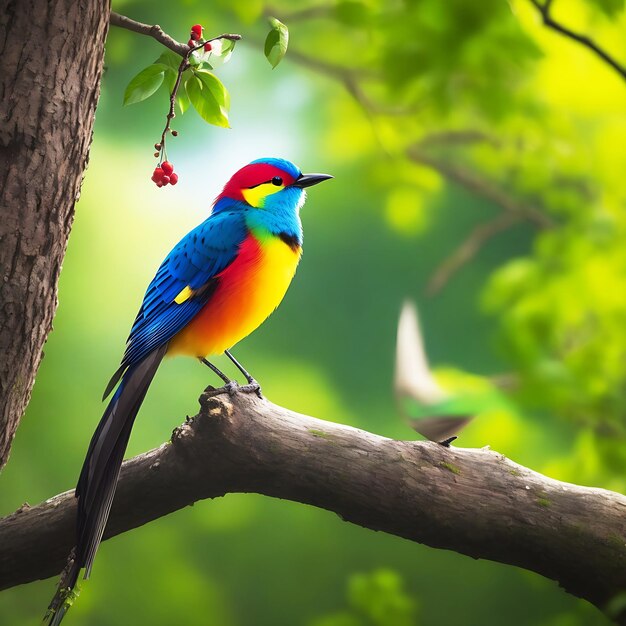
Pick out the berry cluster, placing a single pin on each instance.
(164, 175)
(196, 38)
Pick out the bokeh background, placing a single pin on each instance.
(437, 119)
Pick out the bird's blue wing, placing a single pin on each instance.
(192, 265)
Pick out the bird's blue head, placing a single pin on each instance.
(274, 186)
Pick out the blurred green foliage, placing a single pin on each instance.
(420, 109)
(375, 599)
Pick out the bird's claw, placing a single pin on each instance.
(233, 387)
(252, 387)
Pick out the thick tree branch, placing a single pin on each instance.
(544, 10)
(475, 502)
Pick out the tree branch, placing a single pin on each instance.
(469, 247)
(481, 187)
(544, 11)
(156, 32)
(475, 502)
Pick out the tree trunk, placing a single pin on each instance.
(51, 57)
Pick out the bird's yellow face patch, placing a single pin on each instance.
(255, 196)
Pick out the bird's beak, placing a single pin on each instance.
(308, 180)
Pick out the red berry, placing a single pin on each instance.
(159, 184)
(167, 168)
(195, 36)
(191, 43)
(196, 29)
(165, 180)
(173, 178)
(157, 175)
(207, 46)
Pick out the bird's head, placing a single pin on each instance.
(269, 184)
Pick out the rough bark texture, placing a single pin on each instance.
(51, 56)
(475, 502)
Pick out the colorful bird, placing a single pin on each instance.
(216, 286)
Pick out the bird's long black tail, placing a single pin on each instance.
(98, 477)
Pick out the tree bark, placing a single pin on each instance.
(51, 57)
(475, 502)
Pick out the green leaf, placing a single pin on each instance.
(171, 59)
(209, 97)
(227, 46)
(213, 83)
(194, 59)
(144, 84)
(276, 42)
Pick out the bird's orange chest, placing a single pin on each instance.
(249, 290)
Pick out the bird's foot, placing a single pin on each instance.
(232, 387)
(446, 442)
(252, 387)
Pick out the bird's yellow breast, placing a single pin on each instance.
(249, 290)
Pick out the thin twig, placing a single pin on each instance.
(470, 246)
(544, 11)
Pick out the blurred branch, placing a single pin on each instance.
(548, 20)
(156, 32)
(470, 246)
(468, 179)
(352, 81)
(475, 502)
(329, 69)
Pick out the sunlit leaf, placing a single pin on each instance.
(171, 59)
(276, 42)
(209, 97)
(144, 84)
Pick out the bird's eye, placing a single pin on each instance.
(277, 180)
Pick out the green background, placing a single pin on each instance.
(373, 236)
